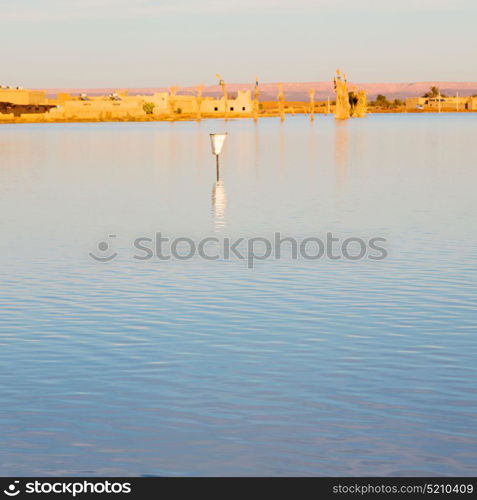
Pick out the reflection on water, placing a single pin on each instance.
(341, 154)
(219, 206)
(207, 367)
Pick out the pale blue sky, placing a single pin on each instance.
(141, 43)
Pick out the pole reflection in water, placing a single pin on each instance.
(219, 206)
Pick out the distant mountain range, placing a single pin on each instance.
(299, 91)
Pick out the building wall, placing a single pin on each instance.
(413, 102)
(472, 104)
(213, 106)
(7, 117)
(185, 103)
(98, 109)
(446, 103)
(188, 104)
(240, 105)
(23, 96)
(243, 102)
(160, 101)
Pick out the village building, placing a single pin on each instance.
(16, 102)
(32, 105)
(444, 103)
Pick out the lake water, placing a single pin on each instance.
(200, 367)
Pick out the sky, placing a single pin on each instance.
(154, 43)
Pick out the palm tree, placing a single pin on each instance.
(434, 92)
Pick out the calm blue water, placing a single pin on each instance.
(294, 367)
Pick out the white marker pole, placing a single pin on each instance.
(217, 142)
